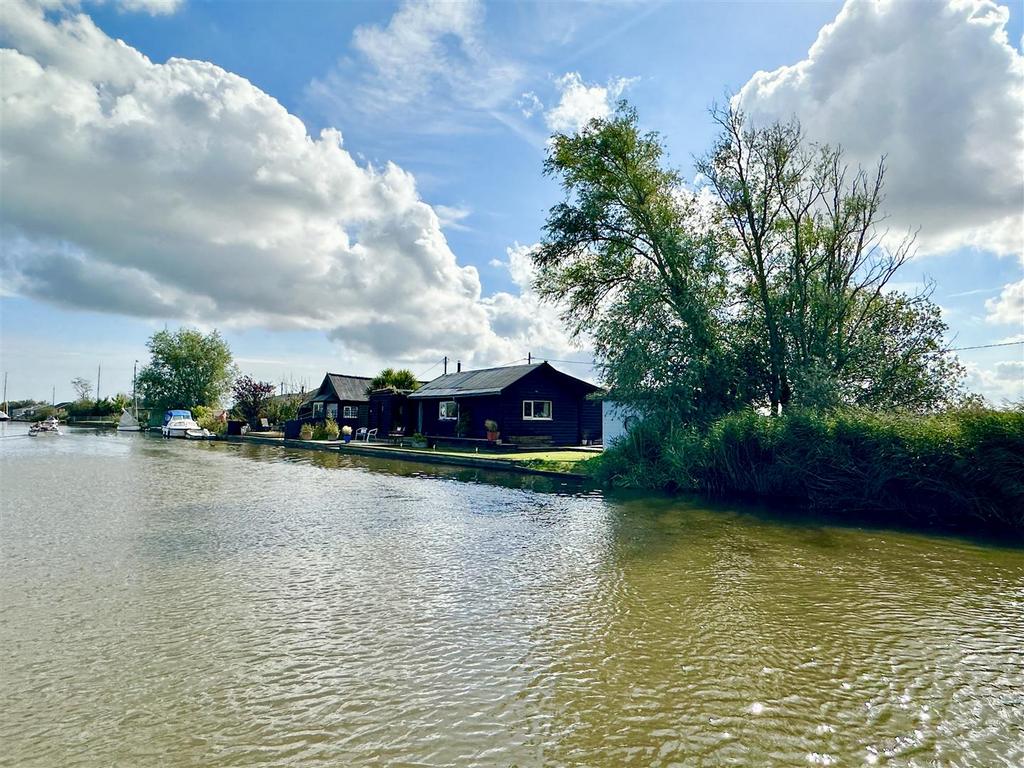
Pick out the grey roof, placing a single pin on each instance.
(486, 381)
(351, 388)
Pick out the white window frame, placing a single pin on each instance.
(318, 410)
(533, 409)
(331, 411)
(441, 414)
(350, 412)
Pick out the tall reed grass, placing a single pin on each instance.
(961, 469)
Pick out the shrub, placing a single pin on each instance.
(961, 469)
(331, 429)
(207, 419)
(320, 432)
(491, 425)
(306, 432)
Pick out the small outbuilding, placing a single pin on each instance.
(531, 404)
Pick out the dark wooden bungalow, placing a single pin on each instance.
(340, 397)
(532, 404)
(391, 413)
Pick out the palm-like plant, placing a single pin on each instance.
(391, 378)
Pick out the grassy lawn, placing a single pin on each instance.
(553, 461)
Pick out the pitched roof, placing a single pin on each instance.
(486, 381)
(344, 388)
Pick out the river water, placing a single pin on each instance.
(167, 603)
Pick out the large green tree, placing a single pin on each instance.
(634, 267)
(186, 368)
(768, 287)
(812, 264)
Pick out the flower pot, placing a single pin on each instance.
(347, 438)
(493, 436)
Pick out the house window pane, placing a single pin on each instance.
(448, 410)
(332, 410)
(537, 410)
(318, 409)
(351, 412)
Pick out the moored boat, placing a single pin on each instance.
(177, 423)
(128, 422)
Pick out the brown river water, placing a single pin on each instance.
(166, 603)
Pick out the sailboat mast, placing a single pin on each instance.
(135, 398)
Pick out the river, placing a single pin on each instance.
(167, 603)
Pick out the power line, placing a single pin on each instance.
(420, 377)
(986, 346)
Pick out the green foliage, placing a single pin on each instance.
(186, 369)
(961, 469)
(278, 410)
(389, 378)
(634, 266)
(491, 425)
(771, 289)
(306, 432)
(331, 430)
(320, 431)
(206, 418)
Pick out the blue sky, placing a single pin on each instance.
(461, 98)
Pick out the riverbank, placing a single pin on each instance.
(564, 464)
(961, 470)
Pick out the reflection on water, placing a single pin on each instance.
(169, 603)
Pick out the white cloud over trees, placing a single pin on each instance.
(939, 89)
(580, 102)
(181, 191)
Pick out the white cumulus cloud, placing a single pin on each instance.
(1008, 307)
(579, 102)
(936, 87)
(181, 191)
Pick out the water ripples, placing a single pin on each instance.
(170, 604)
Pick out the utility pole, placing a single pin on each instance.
(529, 358)
(5, 392)
(135, 399)
(446, 364)
(53, 395)
(97, 383)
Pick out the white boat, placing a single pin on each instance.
(128, 423)
(50, 426)
(181, 424)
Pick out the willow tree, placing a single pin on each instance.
(633, 267)
(813, 265)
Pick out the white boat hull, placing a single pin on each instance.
(129, 429)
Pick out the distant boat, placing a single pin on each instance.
(128, 423)
(4, 416)
(50, 426)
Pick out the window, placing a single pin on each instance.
(318, 410)
(332, 410)
(351, 412)
(448, 410)
(537, 410)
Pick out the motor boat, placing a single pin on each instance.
(128, 422)
(181, 424)
(50, 426)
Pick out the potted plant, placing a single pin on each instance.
(492, 430)
(418, 441)
(346, 433)
(306, 432)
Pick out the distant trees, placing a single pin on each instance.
(251, 397)
(769, 287)
(186, 368)
(83, 389)
(402, 378)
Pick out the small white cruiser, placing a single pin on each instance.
(179, 423)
